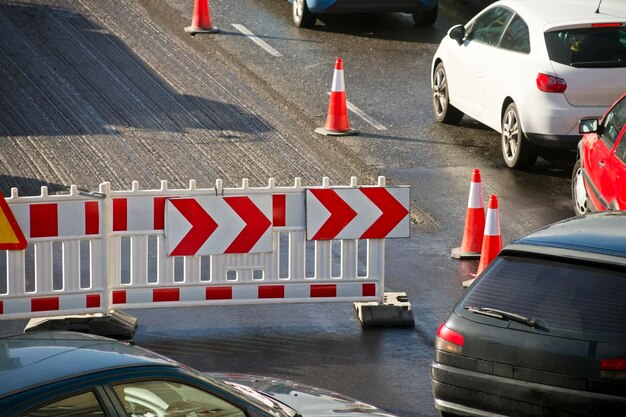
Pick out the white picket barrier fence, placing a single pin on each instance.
(90, 253)
(62, 271)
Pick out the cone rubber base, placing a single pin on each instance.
(457, 254)
(468, 282)
(324, 131)
(193, 30)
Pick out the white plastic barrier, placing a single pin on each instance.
(62, 269)
(96, 252)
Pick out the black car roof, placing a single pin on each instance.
(600, 233)
(31, 359)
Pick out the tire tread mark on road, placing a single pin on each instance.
(198, 117)
(41, 84)
(212, 76)
(82, 85)
(201, 80)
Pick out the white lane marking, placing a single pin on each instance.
(369, 119)
(254, 38)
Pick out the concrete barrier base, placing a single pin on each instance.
(116, 324)
(395, 310)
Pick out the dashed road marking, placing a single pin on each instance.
(254, 38)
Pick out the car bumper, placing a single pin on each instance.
(551, 120)
(554, 141)
(472, 393)
(369, 6)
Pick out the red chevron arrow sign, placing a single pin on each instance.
(357, 213)
(215, 225)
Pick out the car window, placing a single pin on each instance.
(613, 123)
(620, 151)
(516, 36)
(489, 26)
(603, 47)
(84, 405)
(171, 399)
(573, 298)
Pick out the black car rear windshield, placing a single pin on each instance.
(596, 47)
(573, 298)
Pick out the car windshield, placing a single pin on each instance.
(595, 47)
(574, 298)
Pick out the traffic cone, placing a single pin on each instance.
(471, 244)
(337, 123)
(201, 20)
(492, 240)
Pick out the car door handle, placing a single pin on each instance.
(601, 164)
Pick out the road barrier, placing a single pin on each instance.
(111, 250)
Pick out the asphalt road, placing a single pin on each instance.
(116, 91)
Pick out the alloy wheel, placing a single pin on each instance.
(511, 136)
(440, 92)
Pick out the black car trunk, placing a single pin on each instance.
(507, 350)
(544, 321)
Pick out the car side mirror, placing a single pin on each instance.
(457, 33)
(591, 125)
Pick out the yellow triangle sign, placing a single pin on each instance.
(11, 236)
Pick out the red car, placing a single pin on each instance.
(599, 176)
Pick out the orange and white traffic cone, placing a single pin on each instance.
(201, 20)
(337, 123)
(492, 240)
(471, 245)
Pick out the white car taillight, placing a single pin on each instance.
(550, 83)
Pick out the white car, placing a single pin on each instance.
(531, 69)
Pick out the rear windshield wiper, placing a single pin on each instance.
(616, 63)
(502, 315)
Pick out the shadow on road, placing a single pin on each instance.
(68, 76)
(386, 26)
(28, 186)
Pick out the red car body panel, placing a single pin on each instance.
(604, 172)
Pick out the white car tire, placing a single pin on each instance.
(444, 111)
(517, 151)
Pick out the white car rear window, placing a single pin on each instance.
(594, 47)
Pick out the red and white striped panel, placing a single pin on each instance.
(289, 210)
(132, 214)
(195, 295)
(70, 219)
(147, 213)
(52, 305)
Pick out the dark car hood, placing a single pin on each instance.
(306, 400)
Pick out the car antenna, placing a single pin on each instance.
(598, 9)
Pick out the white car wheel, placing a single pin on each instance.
(444, 111)
(518, 153)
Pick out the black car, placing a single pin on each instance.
(542, 331)
(64, 374)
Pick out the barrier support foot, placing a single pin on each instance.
(115, 324)
(395, 310)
